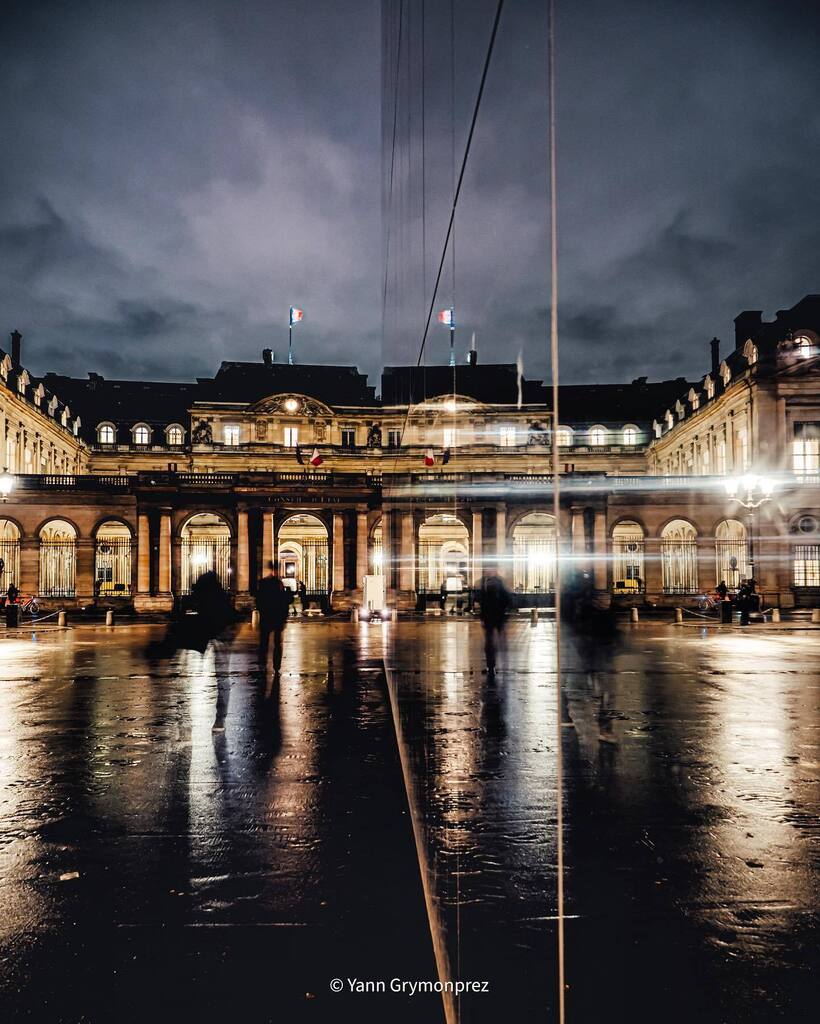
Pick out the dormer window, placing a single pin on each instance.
(750, 352)
(670, 419)
(657, 428)
(694, 399)
(803, 346)
(709, 384)
(630, 435)
(38, 395)
(725, 374)
(64, 417)
(598, 436)
(563, 437)
(106, 433)
(22, 382)
(141, 434)
(175, 435)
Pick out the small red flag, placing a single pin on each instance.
(429, 458)
(316, 459)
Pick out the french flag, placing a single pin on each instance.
(295, 315)
(316, 459)
(447, 317)
(429, 457)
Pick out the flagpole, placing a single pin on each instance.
(290, 341)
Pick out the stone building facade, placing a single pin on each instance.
(122, 492)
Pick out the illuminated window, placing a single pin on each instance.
(806, 449)
(706, 460)
(230, 433)
(175, 434)
(670, 419)
(743, 448)
(507, 437)
(450, 437)
(598, 436)
(630, 435)
(291, 437)
(803, 346)
(806, 565)
(105, 433)
(141, 434)
(710, 387)
(679, 558)
(726, 374)
(563, 437)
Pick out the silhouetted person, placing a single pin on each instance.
(273, 601)
(215, 622)
(722, 590)
(303, 596)
(12, 593)
(495, 605)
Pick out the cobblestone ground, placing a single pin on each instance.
(153, 869)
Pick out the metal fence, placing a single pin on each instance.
(205, 554)
(58, 568)
(806, 565)
(534, 565)
(627, 565)
(434, 566)
(679, 566)
(313, 570)
(732, 561)
(112, 567)
(10, 556)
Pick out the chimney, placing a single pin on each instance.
(267, 356)
(747, 324)
(473, 360)
(16, 338)
(714, 344)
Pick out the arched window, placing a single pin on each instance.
(141, 434)
(630, 435)
(112, 564)
(443, 553)
(750, 352)
(57, 559)
(725, 373)
(627, 558)
(10, 554)
(679, 558)
(206, 547)
(175, 435)
(803, 346)
(106, 433)
(598, 436)
(563, 437)
(709, 384)
(534, 553)
(731, 553)
(670, 419)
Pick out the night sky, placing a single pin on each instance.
(175, 175)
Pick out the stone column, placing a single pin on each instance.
(143, 554)
(242, 554)
(362, 568)
(338, 553)
(600, 572)
(84, 581)
(387, 553)
(29, 581)
(164, 586)
(267, 540)
(407, 560)
(501, 535)
(478, 547)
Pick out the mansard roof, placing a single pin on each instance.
(250, 382)
(492, 383)
(637, 402)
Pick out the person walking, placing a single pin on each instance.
(214, 626)
(495, 604)
(273, 600)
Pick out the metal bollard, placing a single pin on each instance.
(815, 615)
(255, 618)
(633, 615)
(775, 615)
(60, 618)
(109, 617)
(354, 613)
(533, 616)
(679, 615)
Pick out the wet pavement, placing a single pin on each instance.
(152, 868)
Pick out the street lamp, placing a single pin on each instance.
(750, 491)
(6, 484)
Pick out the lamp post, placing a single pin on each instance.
(6, 485)
(750, 491)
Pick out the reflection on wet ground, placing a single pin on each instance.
(152, 868)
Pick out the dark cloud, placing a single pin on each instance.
(177, 173)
